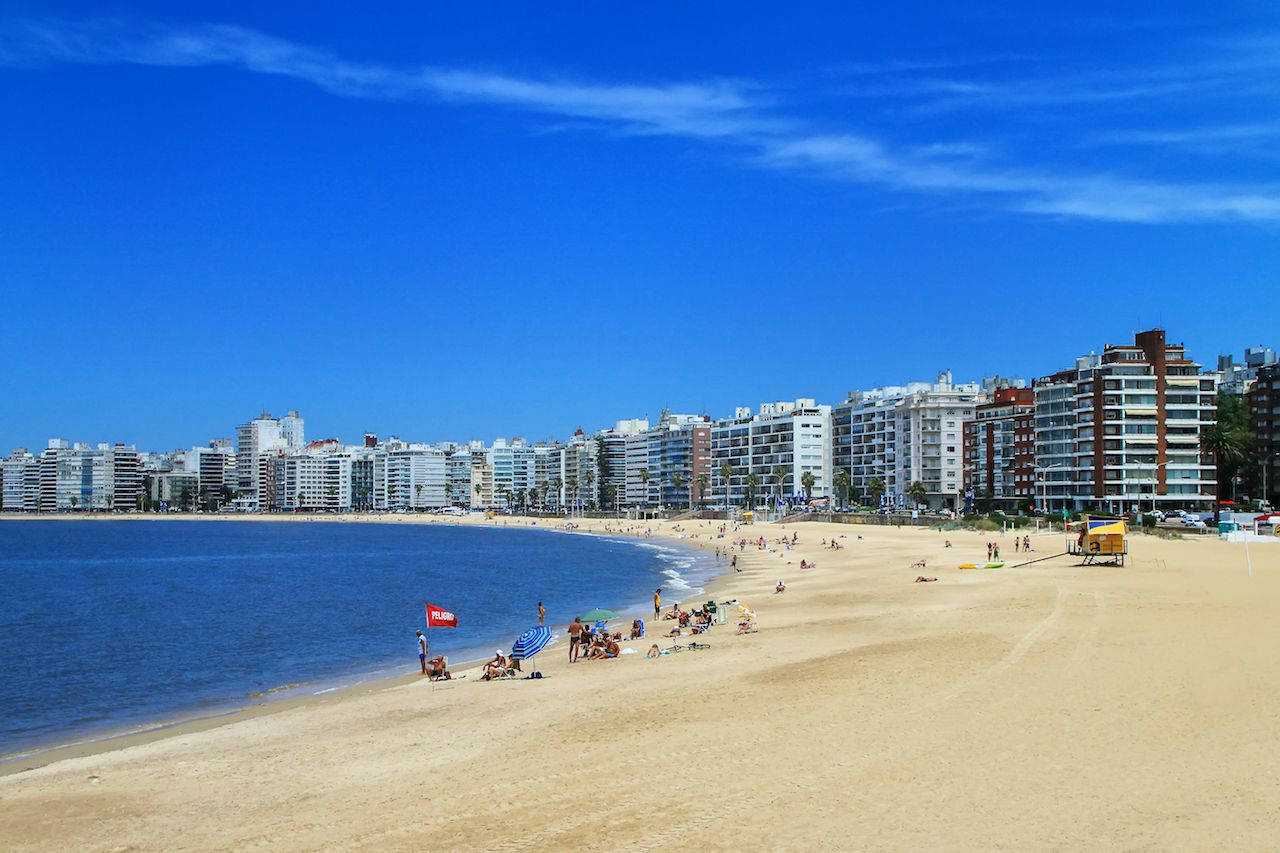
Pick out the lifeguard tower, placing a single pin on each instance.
(1100, 542)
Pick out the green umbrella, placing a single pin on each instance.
(598, 615)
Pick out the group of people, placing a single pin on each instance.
(598, 643)
(437, 668)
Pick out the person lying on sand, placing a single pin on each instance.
(674, 632)
(918, 564)
(923, 579)
(653, 652)
(780, 588)
(438, 668)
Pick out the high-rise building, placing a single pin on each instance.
(292, 431)
(1122, 430)
(20, 481)
(79, 477)
(795, 436)
(679, 454)
(1237, 378)
(999, 449)
(900, 435)
(611, 455)
(254, 440)
(1264, 421)
(408, 476)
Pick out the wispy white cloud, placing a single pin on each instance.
(736, 113)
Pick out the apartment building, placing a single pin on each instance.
(408, 476)
(80, 477)
(999, 450)
(20, 481)
(255, 440)
(1121, 430)
(611, 456)
(901, 435)
(678, 453)
(795, 436)
(1264, 420)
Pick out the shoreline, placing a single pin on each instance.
(111, 738)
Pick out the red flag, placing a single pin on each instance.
(438, 617)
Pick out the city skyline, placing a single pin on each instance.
(423, 225)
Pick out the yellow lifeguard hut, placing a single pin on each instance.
(1100, 542)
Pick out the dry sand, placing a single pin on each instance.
(1044, 707)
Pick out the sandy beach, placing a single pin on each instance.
(1050, 706)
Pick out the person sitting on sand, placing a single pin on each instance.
(495, 668)
(780, 588)
(923, 579)
(674, 632)
(948, 543)
(804, 564)
(653, 652)
(637, 629)
(438, 668)
(744, 627)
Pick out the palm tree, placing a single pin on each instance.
(572, 485)
(559, 487)
(779, 473)
(842, 486)
(752, 482)
(917, 492)
(479, 488)
(644, 479)
(677, 481)
(589, 479)
(417, 491)
(726, 474)
(806, 481)
(1229, 445)
(877, 488)
(448, 493)
(702, 480)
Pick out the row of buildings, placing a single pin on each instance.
(1120, 429)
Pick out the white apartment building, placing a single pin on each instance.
(409, 477)
(80, 477)
(318, 477)
(548, 474)
(637, 450)
(795, 436)
(611, 455)
(20, 481)
(254, 440)
(906, 434)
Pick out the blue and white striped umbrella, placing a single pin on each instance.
(531, 642)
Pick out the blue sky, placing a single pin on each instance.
(488, 220)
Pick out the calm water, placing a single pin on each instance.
(107, 626)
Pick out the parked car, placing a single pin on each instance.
(1194, 522)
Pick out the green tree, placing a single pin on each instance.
(448, 493)
(779, 475)
(417, 494)
(877, 488)
(752, 482)
(644, 480)
(589, 480)
(807, 481)
(559, 487)
(677, 480)
(917, 492)
(726, 475)
(1229, 442)
(702, 480)
(479, 488)
(841, 481)
(572, 486)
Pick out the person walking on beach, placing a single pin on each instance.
(542, 613)
(422, 652)
(576, 628)
(734, 563)
(657, 602)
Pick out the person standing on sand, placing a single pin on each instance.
(575, 637)
(542, 613)
(734, 563)
(422, 652)
(657, 602)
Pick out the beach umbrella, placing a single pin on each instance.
(530, 643)
(598, 615)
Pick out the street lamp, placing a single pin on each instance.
(1155, 481)
(1040, 481)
